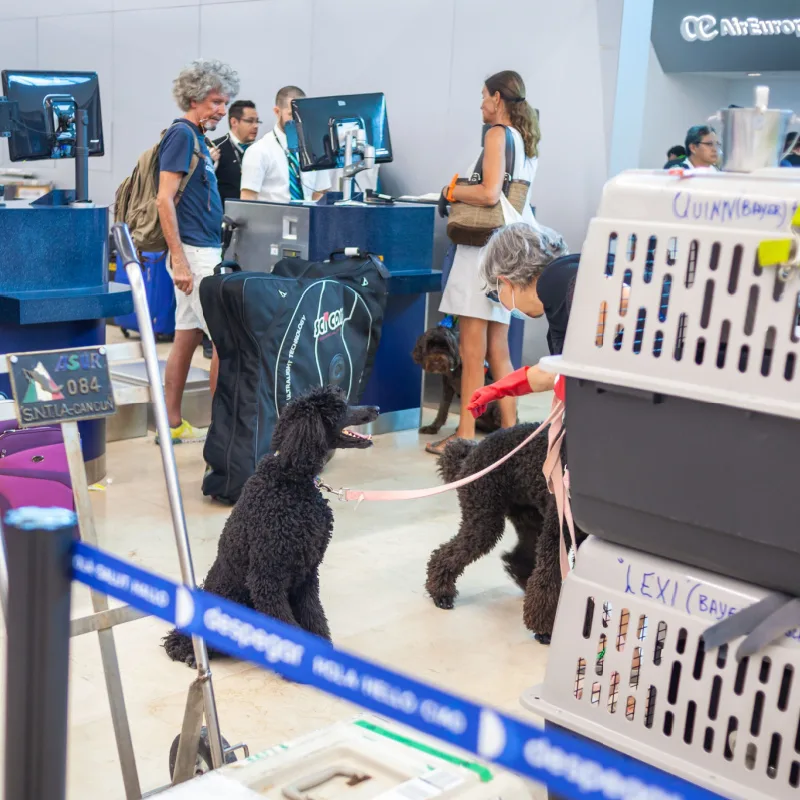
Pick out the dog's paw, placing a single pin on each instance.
(179, 648)
(542, 638)
(447, 602)
(430, 429)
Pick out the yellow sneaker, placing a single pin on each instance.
(186, 433)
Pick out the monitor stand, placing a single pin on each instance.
(81, 157)
(350, 169)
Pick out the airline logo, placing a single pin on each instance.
(328, 323)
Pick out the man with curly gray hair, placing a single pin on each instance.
(190, 212)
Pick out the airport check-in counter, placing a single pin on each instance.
(401, 234)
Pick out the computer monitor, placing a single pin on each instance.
(45, 126)
(322, 123)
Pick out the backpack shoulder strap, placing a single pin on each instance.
(197, 157)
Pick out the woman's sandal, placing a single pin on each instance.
(437, 448)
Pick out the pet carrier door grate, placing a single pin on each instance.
(628, 668)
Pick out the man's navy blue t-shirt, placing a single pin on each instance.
(200, 208)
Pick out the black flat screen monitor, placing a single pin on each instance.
(321, 123)
(40, 95)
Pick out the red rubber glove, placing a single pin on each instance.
(513, 385)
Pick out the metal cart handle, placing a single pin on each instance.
(299, 789)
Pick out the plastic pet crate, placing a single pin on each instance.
(628, 669)
(364, 758)
(683, 403)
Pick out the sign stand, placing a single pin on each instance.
(44, 396)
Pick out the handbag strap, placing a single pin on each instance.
(511, 151)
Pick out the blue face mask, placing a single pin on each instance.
(494, 296)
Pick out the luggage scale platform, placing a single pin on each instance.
(363, 758)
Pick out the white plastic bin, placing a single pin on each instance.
(362, 759)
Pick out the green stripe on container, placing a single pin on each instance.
(482, 772)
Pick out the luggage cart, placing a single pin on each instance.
(198, 748)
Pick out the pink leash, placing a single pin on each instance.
(360, 495)
(553, 471)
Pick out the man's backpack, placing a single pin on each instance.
(135, 199)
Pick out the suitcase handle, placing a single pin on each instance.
(226, 267)
(347, 252)
(298, 790)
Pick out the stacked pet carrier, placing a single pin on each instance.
(683, 419)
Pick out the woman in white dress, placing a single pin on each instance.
(483, 325)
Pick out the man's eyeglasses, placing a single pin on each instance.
(250, 121)
(715, 145)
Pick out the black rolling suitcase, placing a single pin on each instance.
(278, 335)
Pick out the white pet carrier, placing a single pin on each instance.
(627, 668)
(683, 382)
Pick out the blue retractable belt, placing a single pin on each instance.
(570, 766)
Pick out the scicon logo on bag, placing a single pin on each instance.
(328, 323)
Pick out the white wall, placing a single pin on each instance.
(784, 91)
(430, 57)
(674, 104)
(609, 22)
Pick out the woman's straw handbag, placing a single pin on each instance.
(474, 225)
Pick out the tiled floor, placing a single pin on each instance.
(372, 588)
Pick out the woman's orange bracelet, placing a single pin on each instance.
(449, 195)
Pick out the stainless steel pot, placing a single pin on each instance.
(753, 138)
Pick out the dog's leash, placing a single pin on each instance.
(553, 472)
(359, 495)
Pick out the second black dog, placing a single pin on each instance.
(516, 491)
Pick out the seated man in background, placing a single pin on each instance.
(270, 171)
(676, 156)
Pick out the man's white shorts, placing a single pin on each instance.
(188, 311)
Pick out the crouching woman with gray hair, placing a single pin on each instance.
(526, 275)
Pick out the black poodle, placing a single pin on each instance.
(277, 534)
(517, 491)
(436, 351)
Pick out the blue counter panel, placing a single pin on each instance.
(396, 381)
(65, 305)
(53, 248)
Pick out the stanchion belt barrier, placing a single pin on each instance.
(572, 767)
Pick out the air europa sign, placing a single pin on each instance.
(727, 35)
(705, 28)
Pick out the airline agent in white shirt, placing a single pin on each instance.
(702, 147)
(270, 172)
